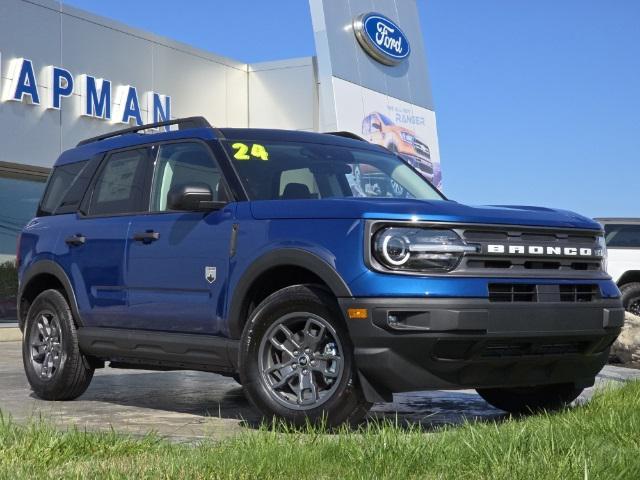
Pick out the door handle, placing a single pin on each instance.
(146, 237)
(75, 240)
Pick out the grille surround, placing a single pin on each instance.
(505, 266)
(530, 264)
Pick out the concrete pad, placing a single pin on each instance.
(188, 406)
(10, 334)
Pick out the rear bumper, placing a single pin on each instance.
(473, 343)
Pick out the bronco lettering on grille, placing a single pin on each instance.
(540, 250)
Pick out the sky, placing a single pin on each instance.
(537, 103)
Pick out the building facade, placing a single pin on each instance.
(66, 74)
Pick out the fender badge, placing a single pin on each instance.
(210, 274)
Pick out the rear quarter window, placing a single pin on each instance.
(60, 181)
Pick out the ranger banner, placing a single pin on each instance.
(373, 78)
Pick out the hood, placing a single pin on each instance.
(425, 210)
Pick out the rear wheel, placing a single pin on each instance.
(55, 367)
(296, 360)
(531, 399)
(631, 297)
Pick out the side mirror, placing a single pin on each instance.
(192, 197)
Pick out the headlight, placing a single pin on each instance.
(601, 250)
(407, 137)
(419, 249)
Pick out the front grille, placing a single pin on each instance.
(418, 163)
(532, 265)
(519, 349)
(548, 264)
(422, 149)
(579, 293)
(495, 349)
(474, 235)
(512, 292)
(527, 292)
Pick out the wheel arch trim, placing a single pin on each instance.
(48, 267)
(629, 276)
(282, 257)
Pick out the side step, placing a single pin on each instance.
(164, 350)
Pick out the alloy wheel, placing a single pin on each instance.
(301, 360)
(45, 345)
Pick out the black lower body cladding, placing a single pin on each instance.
(409, 344)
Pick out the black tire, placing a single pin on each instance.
(631, 297)
(73, 374)
(531, 399)
(343, 401)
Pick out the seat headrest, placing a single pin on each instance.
(296, 191)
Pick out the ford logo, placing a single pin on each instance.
(381, 38)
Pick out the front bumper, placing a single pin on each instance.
(408, 344)
(422, 165)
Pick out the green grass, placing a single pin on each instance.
(597, 440)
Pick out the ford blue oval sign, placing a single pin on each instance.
(381, 38)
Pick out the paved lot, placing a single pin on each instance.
(9, 332)
(192, 405)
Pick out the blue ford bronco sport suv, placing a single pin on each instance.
(258, 254)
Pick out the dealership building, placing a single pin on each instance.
(66, 74)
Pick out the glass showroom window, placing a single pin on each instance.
(18, 203)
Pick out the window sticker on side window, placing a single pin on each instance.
(117, 179)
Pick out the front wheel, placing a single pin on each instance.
(531, 399)
(296, 360)
(631, 297)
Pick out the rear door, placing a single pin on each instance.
(177, 261)
(95, 241)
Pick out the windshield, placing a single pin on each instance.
(299, 170)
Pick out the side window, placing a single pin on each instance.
(59, 184)
(120, 186)
(623, 235)
(298, 184)
(184, 163)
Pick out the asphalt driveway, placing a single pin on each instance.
(192, 405)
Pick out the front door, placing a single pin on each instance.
(177, 261)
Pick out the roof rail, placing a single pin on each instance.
(183, 124)
(351, 135)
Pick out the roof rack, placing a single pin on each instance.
(183, 124)
(351, 135)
